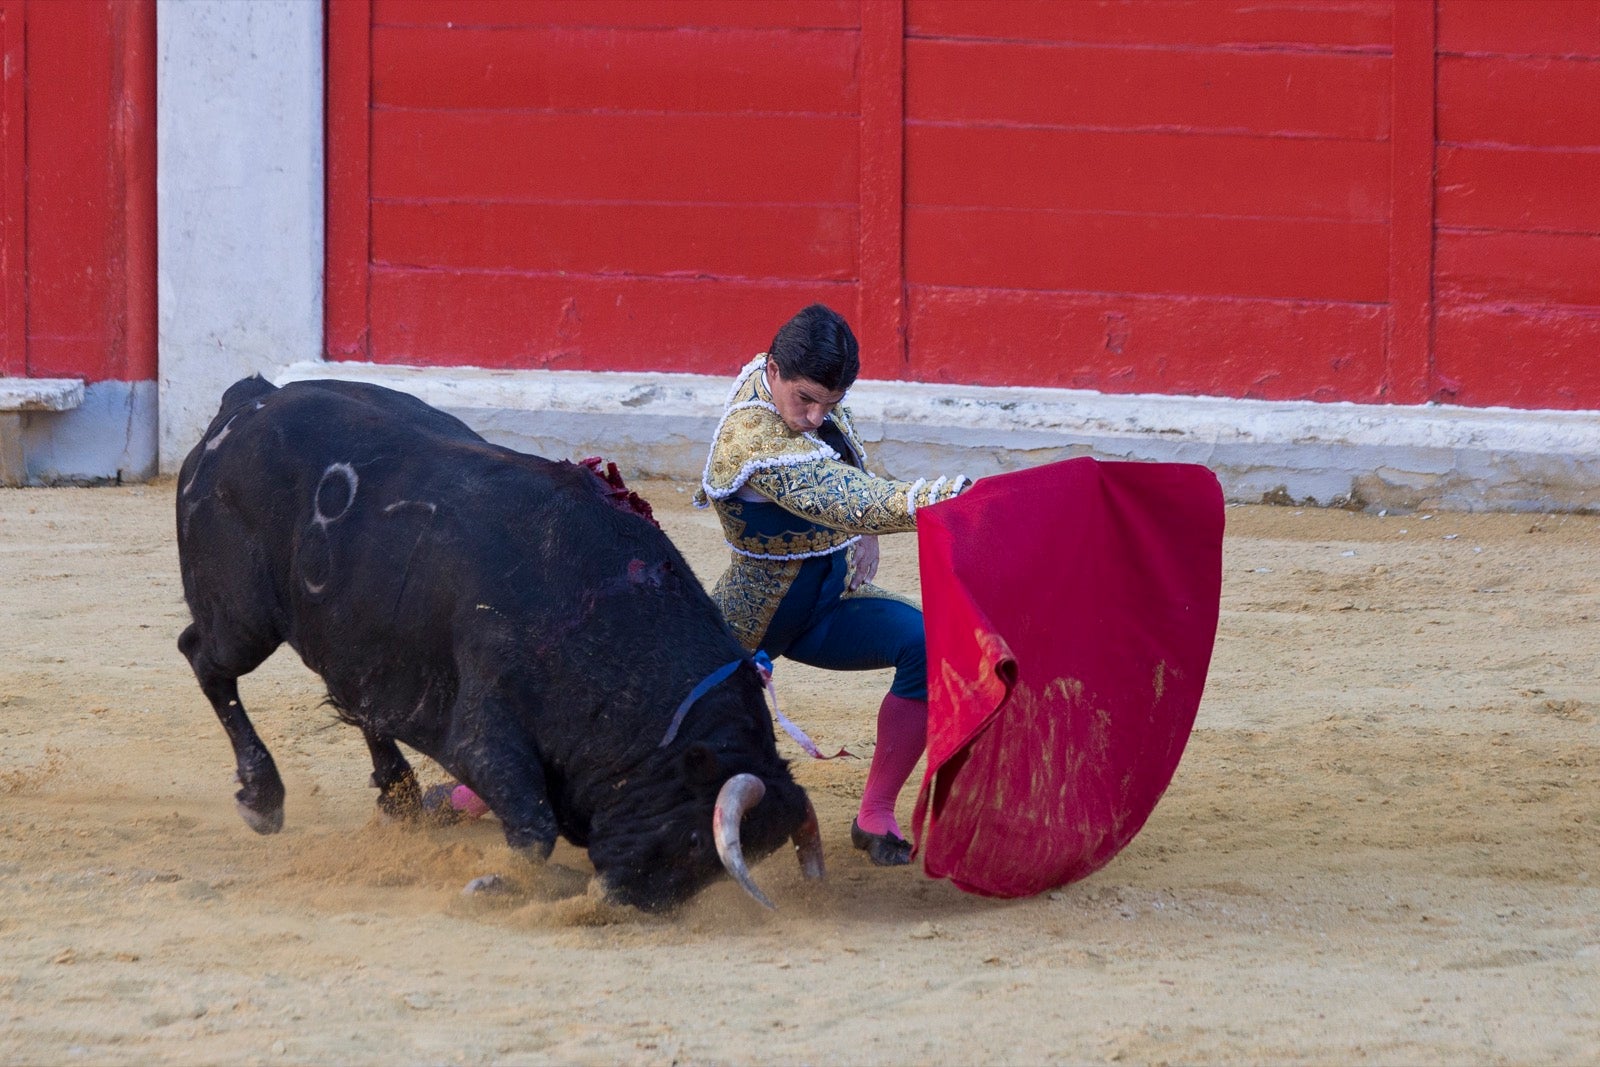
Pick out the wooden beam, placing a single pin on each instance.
(1408, 370)
(880, 316)
(346, 330)
(13, 186)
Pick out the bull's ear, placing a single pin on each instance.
(701, 764)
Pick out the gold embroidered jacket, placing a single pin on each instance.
(826, 501)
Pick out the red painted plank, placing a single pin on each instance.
(1122, 344)
(1518, 357)
(1287, 259)
(13, 203)
(713, 14)
(72, 204)
(1303, 94)
(649, 239)
(349, 169)
(1513, 189)
(880, 316)
(1542, 268)
(1408, 366)
(1140, 23)
(1535, 102)
(498, 320)
(1030, 167)
(619, 70)
(1520, 27)
(134, 169)
(693, 158)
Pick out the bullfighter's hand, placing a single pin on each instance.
(863, 562)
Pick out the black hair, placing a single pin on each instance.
(817, 345)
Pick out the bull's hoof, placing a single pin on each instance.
(268, 822)
(533, 852)
(260, 799)
(401, 801)
(436, 806)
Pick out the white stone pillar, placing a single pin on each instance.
(239, 104)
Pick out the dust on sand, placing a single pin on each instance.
(1381, 845)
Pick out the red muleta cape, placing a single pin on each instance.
(1070, 611)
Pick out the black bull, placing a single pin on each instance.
(493, 610)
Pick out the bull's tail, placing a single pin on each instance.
(343, 712)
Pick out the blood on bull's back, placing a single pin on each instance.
(504, 614)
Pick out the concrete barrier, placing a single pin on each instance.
(1342, 455)
(22, 398)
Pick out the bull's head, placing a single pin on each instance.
(655, 858)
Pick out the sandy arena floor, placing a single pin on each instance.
(1383, 845)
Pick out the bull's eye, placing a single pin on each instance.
(694, 839)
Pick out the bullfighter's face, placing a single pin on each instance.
(801, 402)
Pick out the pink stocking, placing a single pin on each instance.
(902, 733)
(468, 803)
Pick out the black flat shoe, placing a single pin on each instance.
(884, 850)
(436, 806)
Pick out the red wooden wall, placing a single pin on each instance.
(77, 189)
(1369, 200)
(1154, 197)
(581, 184)
(1518, 316)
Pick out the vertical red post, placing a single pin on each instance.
(1408, 368)
(348, 141)
(13, 206)
(134, 165)
(880, 315)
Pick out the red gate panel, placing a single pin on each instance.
(1518, 319)
(1367, 200)
(1193, 199)
(13, 187)
(590, 185)
(77, 189)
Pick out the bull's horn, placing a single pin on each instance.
(808, 845)
(738, 795)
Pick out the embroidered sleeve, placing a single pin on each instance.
(838, 495)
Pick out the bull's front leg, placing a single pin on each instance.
(488, 748)
(260, 795)
(512, 783)
(399, 796)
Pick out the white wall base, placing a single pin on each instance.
(1349, 455)
(109, 437)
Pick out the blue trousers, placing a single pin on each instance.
(817, 626)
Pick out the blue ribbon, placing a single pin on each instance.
(707, 683)
(763, 664)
